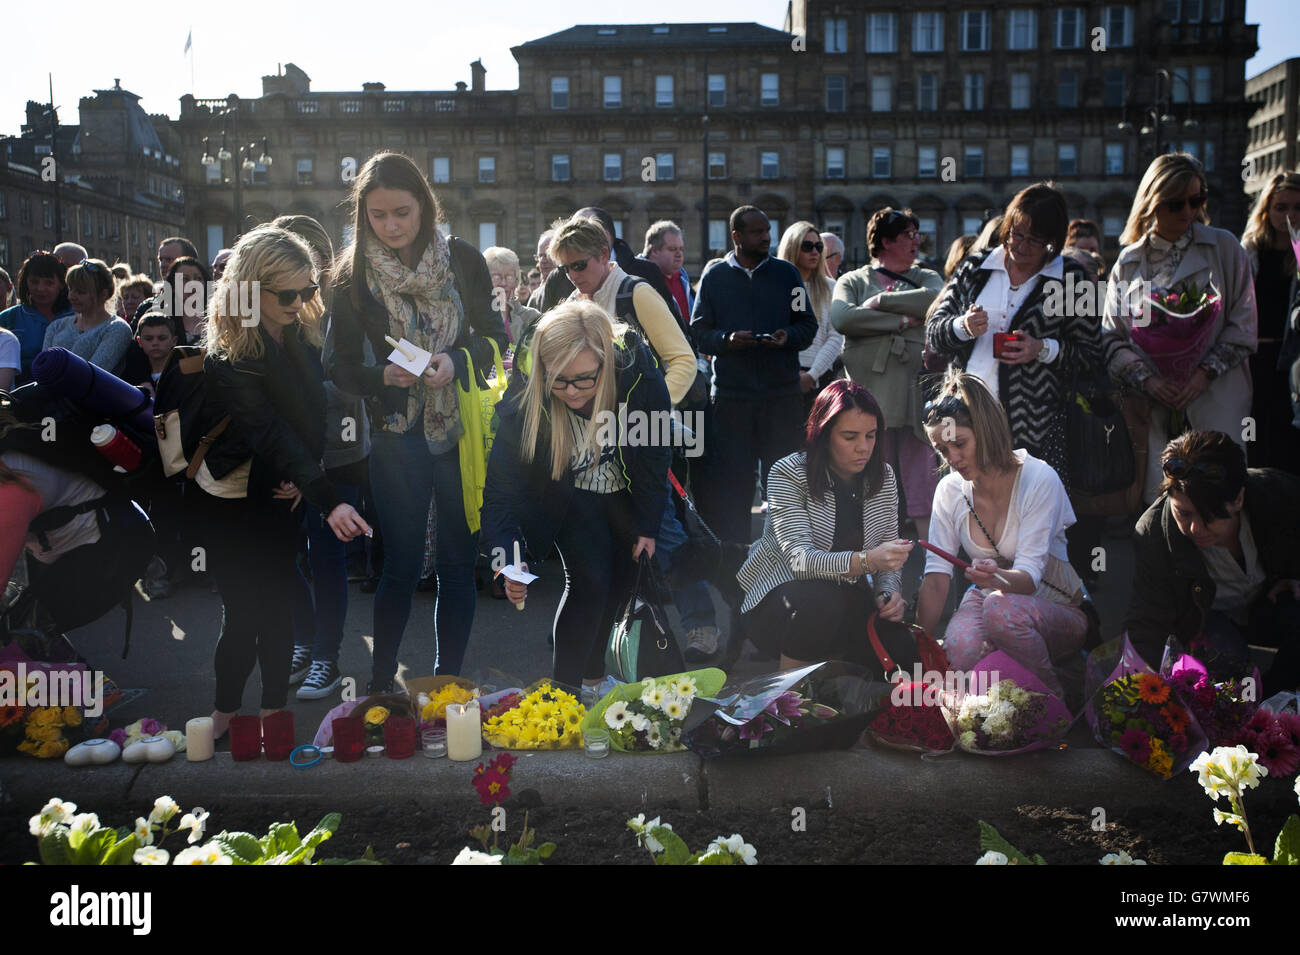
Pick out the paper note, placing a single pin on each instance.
(409, 357)
(518, 576)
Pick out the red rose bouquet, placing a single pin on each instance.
(912, 726)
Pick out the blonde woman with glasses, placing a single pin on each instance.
(802, 246)
(1168, 243)
(561, 473)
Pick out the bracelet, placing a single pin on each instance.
(293, 757)
(866, 562)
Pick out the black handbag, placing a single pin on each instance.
(1098, 448)
(641, 642)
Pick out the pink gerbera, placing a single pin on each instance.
(1277, 754)
(1136, 745)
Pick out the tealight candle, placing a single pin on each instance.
(464, 731)
(595, 743)
(198, 739)
(434, 742)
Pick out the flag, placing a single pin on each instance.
(189, 40)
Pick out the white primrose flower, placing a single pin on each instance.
(992, 858)
(53, 813)
(202, 855)
(144, 856)
(164, 808)
(194, 821)
(86, 822)
(470, 856)
(616, 715)
(1226, 771)
(144, 831)
(1120, 858)
(642, 830)
(637, 822)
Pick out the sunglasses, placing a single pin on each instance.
(581, 383)
(578, 266)
(1180, 470)
(1176, 205)
(946, 407)
(288, 296)
(806, 246)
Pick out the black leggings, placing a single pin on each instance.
(251, 551)
(595, 545)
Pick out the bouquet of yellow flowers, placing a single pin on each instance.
(44, 728)
(548, 717)
(436, 707)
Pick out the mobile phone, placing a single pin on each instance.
(764, 337)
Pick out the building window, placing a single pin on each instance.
(4, 206)
(769, 165)
(392, 106)
(975, 30)
(1119, 26)
(927, 162)
(1114, 159)
(1114, 94)
(774, 227)
(717, 235)
(882, 88)
(103, 226)
(487, 235)
(1202, 88)
(1067, 159)
(88, 228)
(881, 162)
(212, 172)
(560, 167)
(664, 166)
(4, 253)
(1207, 159)
(25, 213)
(882, 33)
(1019, 160)
(717, 165)
(259, 176)
(1192, 11)
(1021, 84)
(613, 167)
(1173, 10)
(837, 35)
(927, 32)
(836, 95)
(974, 91)
(487, 169)
(441, 169)
(717, 91)
(1192, 148)
(834, 162)
(927, 91)
(559, 92)
(1022, 30)
(771, 89)
(47, 213)
(1180, 79)
(613, 92)
(928, 228)
(973, 167)
(1069, 28)
(1067, 89)
(304, 167)
(663, 91)
(1216, 11)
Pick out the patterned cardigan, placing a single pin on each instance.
(798, 532)
(1034, 393)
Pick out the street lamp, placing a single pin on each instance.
(241, 160)
(1158, 114)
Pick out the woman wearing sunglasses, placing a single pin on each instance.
(1169, 246)
(561, 473)
(995, 320)
(802, 247)
(264, 371)
(403, 279)
(1216, 563)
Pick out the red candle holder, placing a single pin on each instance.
(399, 737)
(245, 738)
(349, 739)
(277, 735)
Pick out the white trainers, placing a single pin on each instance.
(701, 643)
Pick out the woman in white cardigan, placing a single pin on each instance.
(832, 521)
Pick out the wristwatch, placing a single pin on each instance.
(883, 596)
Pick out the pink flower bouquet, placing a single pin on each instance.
(1179, 328)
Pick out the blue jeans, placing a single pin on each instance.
(694, 604)
(403, 477)
(320, 625)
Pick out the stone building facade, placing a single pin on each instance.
(1274, 131)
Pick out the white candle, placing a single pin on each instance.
(464, 732)
(198, 739)
(518, 561)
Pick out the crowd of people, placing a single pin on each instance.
(866, 409)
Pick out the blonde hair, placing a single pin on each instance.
(959, 249)
(1260, 233)
(92, 277)
(967, 402)
(264, 255)
(1166, 178)
(580, 234)
(562, 335)
(314, 234)
(818, 293)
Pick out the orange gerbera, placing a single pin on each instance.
(10, 715)
(1152, 689)
(1176, 716)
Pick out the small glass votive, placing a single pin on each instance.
(434, 743)
(595, 743)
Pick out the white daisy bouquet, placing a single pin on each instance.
(647, 717)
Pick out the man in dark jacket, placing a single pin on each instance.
(753, 314)
(1216, 563)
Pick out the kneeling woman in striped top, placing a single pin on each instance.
(832, 520)
(561, 472)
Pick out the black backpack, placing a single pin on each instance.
(185, 424)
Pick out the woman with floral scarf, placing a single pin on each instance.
(402, 279)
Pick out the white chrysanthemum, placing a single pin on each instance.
(616, 715)
(164, 808)
(144, 856)
(194, 821)
(991, 858)
(202, 855)
(639, 723)
(470, 856)
(53, 813)
(1120, 858)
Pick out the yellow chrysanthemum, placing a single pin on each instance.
(71, 716)
(52, 749)
(44, 734)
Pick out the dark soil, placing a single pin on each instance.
(406, 833)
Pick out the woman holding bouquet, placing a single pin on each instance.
(1193, 369)
(1008, 510)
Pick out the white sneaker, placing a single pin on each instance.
(322, 680)
(701, 643)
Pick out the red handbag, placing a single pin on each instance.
(932, 657)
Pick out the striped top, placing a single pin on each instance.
(606, 477)
(798, 532)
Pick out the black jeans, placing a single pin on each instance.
(595, 545)
(740, 436)
(251, 551)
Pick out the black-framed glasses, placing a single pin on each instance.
(1023, 238)
(1176, 205)
(288, 296)
(806, 246)
(946, 406)
(578, 266)
(1180, 470)
(581, 383)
